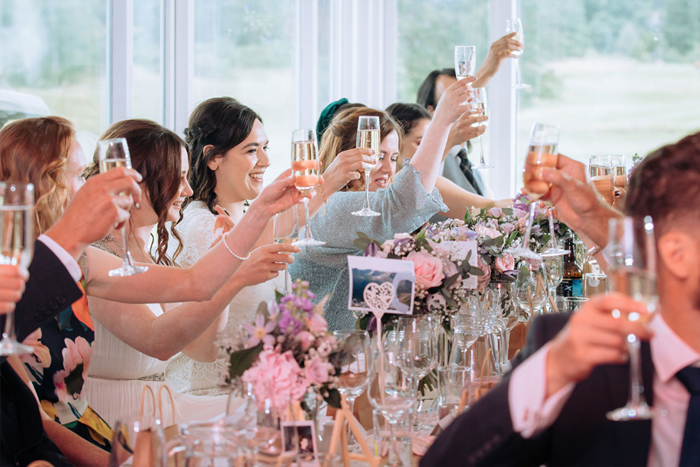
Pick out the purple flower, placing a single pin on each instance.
(289, 324)
(507, 228)
(260, 332)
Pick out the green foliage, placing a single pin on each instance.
(241, 360)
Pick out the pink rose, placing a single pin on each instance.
(316, 371)
(317, 323)
(505, 263)
(496, 212)
(305, 338)
(428, 269)
(484, 231)
(483, 281)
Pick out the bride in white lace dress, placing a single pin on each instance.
(134, 342)
(228, 146)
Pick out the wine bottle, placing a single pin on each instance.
(572, 282)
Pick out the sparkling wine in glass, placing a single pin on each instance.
(114, 153)
(542, 154)
(632, 263)
(305, 165)
(619, 165)
(465, 62)
(285, 228)
(368, 136)
(517, 26)
(16, 247)
(600, 171)
(355, 375)
(481, 104)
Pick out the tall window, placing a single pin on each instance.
(148, 58)
(245, 50)
(53, 61)
(617, 76)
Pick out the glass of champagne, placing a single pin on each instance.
(632, 264)
(601, 175)
(553, 249)
(542, 154)
(465, 62)
(368, 136)
(481, 103)
(355, 375)
(517, 26)
(305, 165)
(114, 153)
(17, 247)
(619, 165)
(285, 228)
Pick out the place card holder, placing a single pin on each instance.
(340, 434)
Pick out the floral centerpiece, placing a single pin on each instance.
(287, 351)
(442, 274)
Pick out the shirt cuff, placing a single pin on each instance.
(530, 412)
(67, 260)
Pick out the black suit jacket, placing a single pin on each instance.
(581, 435)
(49, 290)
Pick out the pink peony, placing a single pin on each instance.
(505, 263)
(428, 269)
(317, 323)
(486, 231)
(316, 371)
(276, 377)
(483, 281)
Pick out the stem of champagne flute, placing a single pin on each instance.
(528, 229)
(552, 239)
(636, 387)
(367, 189)
(518, 79)
(286, 280)
(306, 219)
(9, 331)
(127, 257)
(481, 145)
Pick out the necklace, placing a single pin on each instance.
(109, 237)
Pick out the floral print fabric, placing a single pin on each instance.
(59, 369)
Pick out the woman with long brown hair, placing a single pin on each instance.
(405, 204)
(44, 151)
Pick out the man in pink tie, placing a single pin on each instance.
(551, 409)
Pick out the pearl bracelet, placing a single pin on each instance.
(223, 239)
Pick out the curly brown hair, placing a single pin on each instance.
(156, 154)
(35, 150)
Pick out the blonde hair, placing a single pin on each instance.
(35, 150)
(341, 133)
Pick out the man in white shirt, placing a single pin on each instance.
(551, 408)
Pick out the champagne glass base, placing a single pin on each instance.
(308, 242)
(552, 252)
(125, 271)
(642, 411)
(366, 212)
(12, 347)
(484, 167)
(524, 253)
(522, 86)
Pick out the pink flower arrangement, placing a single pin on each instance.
(287, 351)
(428, 269)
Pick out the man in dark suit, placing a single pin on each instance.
(551, 409)
(100, 205)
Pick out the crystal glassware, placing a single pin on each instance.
(285, 228)
(632, 264)
(531, 287)
(16, 247)
(368, 136)
(481, 103)
(601, 176)
(114, 153)
(305, 166)
(516, 25)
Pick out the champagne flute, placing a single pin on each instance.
(542, 154)
(482, 105)
(553, 249)
(16, 247)
(355, 376)
(285, 228)
(368, 136)
(305, 165)
(465, 62)
(632, 265)
(114, 153)
(619, 165)
(600, 171)
(532, 289)
(517, 26)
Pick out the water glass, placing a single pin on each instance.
(393, 440)
(453, 390)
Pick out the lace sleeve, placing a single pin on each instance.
(197, 232)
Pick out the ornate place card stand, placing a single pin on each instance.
(378, 298)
